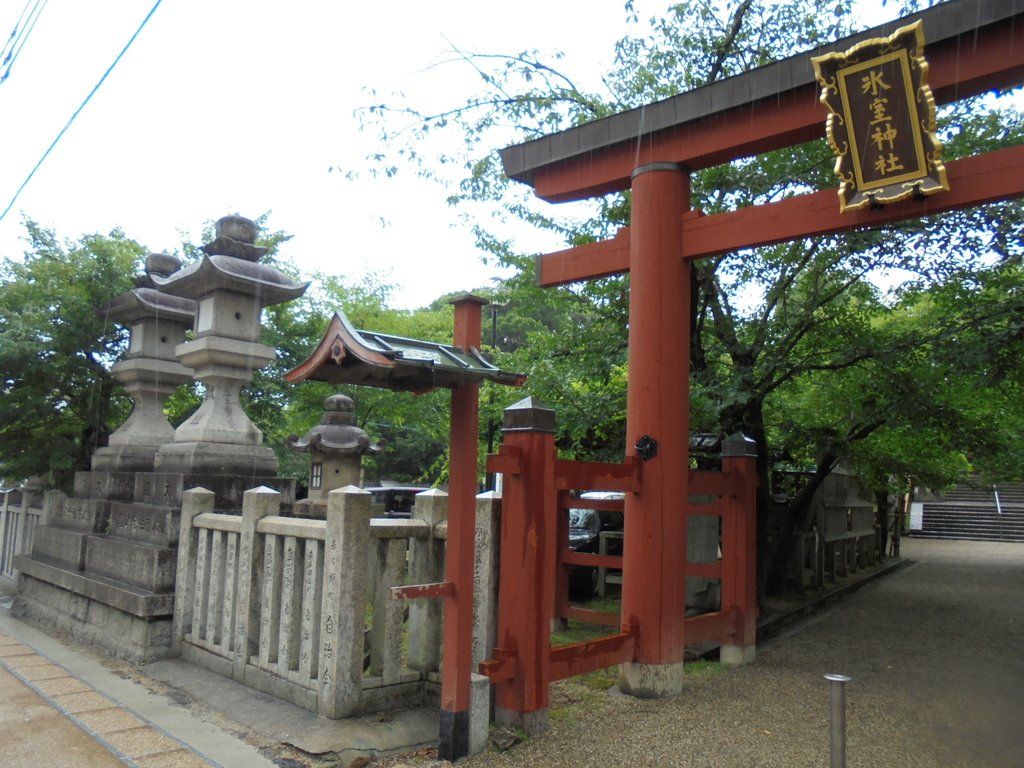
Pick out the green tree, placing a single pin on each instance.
(58, 401)
(794, 345)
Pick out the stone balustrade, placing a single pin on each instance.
(21, 510)
(301, 609)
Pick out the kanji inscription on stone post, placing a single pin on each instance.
(881, 122)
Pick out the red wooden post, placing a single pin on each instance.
(657, 431)
(457, 665)
(739, 548)
(526, 566)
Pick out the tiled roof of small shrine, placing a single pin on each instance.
(347, 355)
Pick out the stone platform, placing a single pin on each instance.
(103, 570)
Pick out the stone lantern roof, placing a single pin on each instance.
(337, 431)
(230, 263)
(146, 301)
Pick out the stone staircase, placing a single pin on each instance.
(969, 512)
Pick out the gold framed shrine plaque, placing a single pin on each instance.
(881, 122)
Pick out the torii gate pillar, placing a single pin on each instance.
(657, 431)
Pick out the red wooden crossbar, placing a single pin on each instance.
(993, 176)
(710, 627)
(591, 655)
(501, 667)
(597, 476)
(419, 591)
(507, 462)
(604, 505)
(590, 559)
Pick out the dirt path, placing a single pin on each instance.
(936, 653)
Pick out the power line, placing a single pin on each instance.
(18, 30)
(13, 38)
(80, 108)
(18, 38)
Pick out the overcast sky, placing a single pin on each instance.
(222, 107)
(230, 106)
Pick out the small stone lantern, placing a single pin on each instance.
(335, 447)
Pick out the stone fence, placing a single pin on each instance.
(301, 609)
(21, 510)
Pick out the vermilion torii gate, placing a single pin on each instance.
(972, 46)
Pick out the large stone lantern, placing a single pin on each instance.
(335, 447)
(149, 371)
(231, 288)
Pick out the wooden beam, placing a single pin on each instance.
(708, 627)
(421, 591)
(596, 475)
(588, 559)
(959, 67)
(591, 655)
(997, 175)
(994, 176)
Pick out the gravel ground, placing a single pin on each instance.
(935, 650)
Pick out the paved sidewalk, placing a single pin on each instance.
(167, 714)
(61, 707)
(27, 719)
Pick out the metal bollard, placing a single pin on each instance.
(837, 718)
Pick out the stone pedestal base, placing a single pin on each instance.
(124, 458)
(129, 625)
(216, 459)
(651, 681)
(310, 509)
(736, 654)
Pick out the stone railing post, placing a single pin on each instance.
(257, 503)
(53, 501)
(391, 553)
(485, 587)
(342, 616)
(193, 502)
(426, 566)
(739, 548)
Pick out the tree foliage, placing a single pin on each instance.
(815, 348)
(58, 401)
